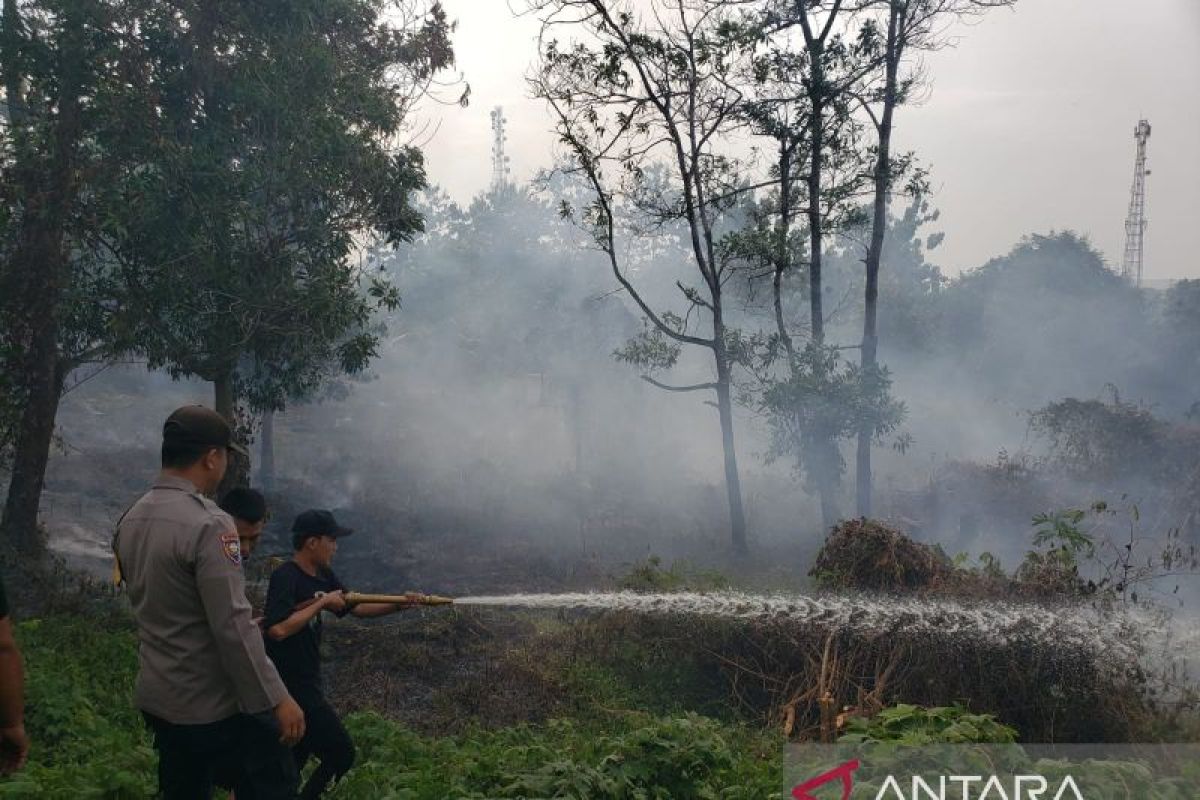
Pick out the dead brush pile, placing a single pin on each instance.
(867, 555)
(864, 555)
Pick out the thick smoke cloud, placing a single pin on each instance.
(496, 423)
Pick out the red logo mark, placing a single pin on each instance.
(801, 792)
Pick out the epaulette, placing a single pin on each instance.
(206, 503)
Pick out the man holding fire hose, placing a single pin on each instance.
(297, 594)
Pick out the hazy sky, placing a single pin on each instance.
(1029, 125)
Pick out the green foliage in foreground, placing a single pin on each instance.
(906, 724)
(633, 757)
(89, 742)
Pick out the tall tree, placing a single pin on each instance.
(644, 106)
(869, 359)
(61, 64)
(823, 99)
(809, 56)
(911, 25)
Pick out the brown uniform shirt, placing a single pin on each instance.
(200, 657)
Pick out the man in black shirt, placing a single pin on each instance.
(293, 637)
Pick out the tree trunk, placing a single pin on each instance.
(870, 341)
(816, 233)
(827, 483)
(733, 482)
(827, 478)
(36, 277)
(223, 399)
(44, 381)
(225, 404)
(863, 479)
(10, 62)
(783, 255)
(266, 453)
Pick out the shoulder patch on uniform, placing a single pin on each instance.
(232, 546)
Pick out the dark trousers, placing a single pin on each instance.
(324, 737)
(241, 752)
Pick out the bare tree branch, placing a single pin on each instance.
(698, 387)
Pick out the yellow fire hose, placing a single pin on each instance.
(408, 598)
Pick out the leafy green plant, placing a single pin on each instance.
(913, 725)
(1059, 530)
(1053, 568)
(650, 576)
(631, 756)
(88, 740)
(1115, 564)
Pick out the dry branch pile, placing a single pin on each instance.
(867, 555)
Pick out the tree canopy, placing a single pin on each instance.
(193, 182)
(276, 149)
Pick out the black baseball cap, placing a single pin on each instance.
(200, 426)
(316, 522)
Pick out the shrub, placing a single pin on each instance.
(651, 576)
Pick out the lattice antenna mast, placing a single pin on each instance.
(501, 174)
(1135, 222)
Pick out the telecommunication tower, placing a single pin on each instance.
(1135, 222)
(500, 172)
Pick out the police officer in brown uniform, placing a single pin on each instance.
(204, 684)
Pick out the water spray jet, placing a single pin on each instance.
(1078, 628)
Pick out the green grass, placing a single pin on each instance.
(625, 757)
(89, 741)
